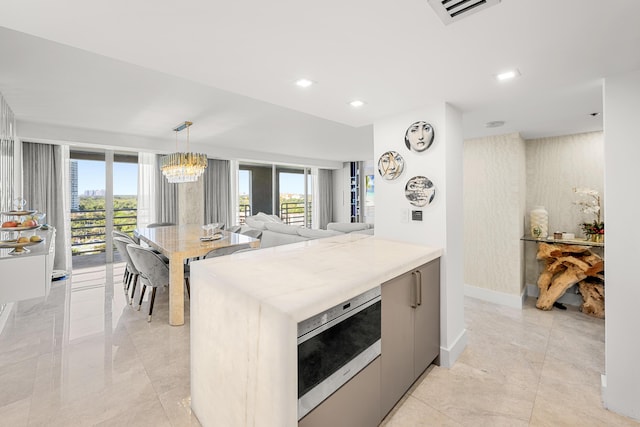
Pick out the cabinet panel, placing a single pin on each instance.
(397, 372)
(410, 330)
(427, 317)
(355, 404)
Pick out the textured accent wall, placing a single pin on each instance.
(555, 166)
(494, 205)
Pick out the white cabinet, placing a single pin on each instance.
(29, 275)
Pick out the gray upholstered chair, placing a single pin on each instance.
(119, 233)
(226, 250)
(256, 234)
(160, 224)
(234, 228)
(133, 273)
(153, 272)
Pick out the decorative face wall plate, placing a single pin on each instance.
(419, 136)
(390, 165)
(419, 191)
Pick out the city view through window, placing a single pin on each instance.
(290, 198)
(88, 214)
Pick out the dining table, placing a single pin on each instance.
(181, 242)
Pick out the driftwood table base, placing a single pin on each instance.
(565, 266)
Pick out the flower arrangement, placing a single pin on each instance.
(590, 204)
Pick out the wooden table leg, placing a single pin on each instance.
(176, 291)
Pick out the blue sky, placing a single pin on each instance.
(91, 177)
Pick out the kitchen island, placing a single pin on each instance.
(245, 310)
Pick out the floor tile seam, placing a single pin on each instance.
(544, 360)
(445, 415)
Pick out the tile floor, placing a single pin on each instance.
(84, 357)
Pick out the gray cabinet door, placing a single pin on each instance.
(397, 371)
(355, 404)
(427, 317)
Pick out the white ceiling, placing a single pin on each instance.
(140, 67)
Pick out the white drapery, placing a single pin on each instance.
(217, 194)
(148, 185)
(322, 206)
(46, 187)
(7, 141)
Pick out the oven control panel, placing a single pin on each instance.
(321, 319)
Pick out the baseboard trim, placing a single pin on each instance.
(514, 301)
(448, 356)
(569, 298)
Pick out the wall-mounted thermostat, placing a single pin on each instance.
(416, 215)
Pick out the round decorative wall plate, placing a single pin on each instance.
(419, 191)
(419, 136)
(390, 165)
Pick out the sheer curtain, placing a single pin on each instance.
(217, 192)
(7, 141)
(167, 198)
(322, 210)
(46, 187)
(148, 188)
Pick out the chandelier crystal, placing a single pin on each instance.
(183, 167)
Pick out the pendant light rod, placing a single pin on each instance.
(182, 126)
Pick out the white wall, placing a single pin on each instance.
(41, 132)
(442, 224)
(622, 175)
(494, 206)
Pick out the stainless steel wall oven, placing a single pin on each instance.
(335, 345)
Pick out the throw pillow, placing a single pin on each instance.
(254, 223)
(261, 216)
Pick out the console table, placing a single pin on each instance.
(569, 263)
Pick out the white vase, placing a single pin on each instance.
(540, 220)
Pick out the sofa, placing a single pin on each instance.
(276, 233)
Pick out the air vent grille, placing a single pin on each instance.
(453, 10)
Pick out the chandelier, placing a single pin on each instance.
(183, 167)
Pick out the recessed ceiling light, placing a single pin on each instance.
(304, 82)
(494, 124)
(356, 103)
(508, 75)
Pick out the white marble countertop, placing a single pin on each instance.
(245, 309)
(305, 278)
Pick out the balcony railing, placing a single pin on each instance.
(293, 213)
(88, 229)
(243, 212)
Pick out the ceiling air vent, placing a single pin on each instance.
(453, 10)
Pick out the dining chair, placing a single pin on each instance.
(133, 273)
(119, 233)
(234, 228)
(256, 234)
(153, 272)
(225, 250)
(160, 224)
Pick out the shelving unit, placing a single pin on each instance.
(355, 190)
